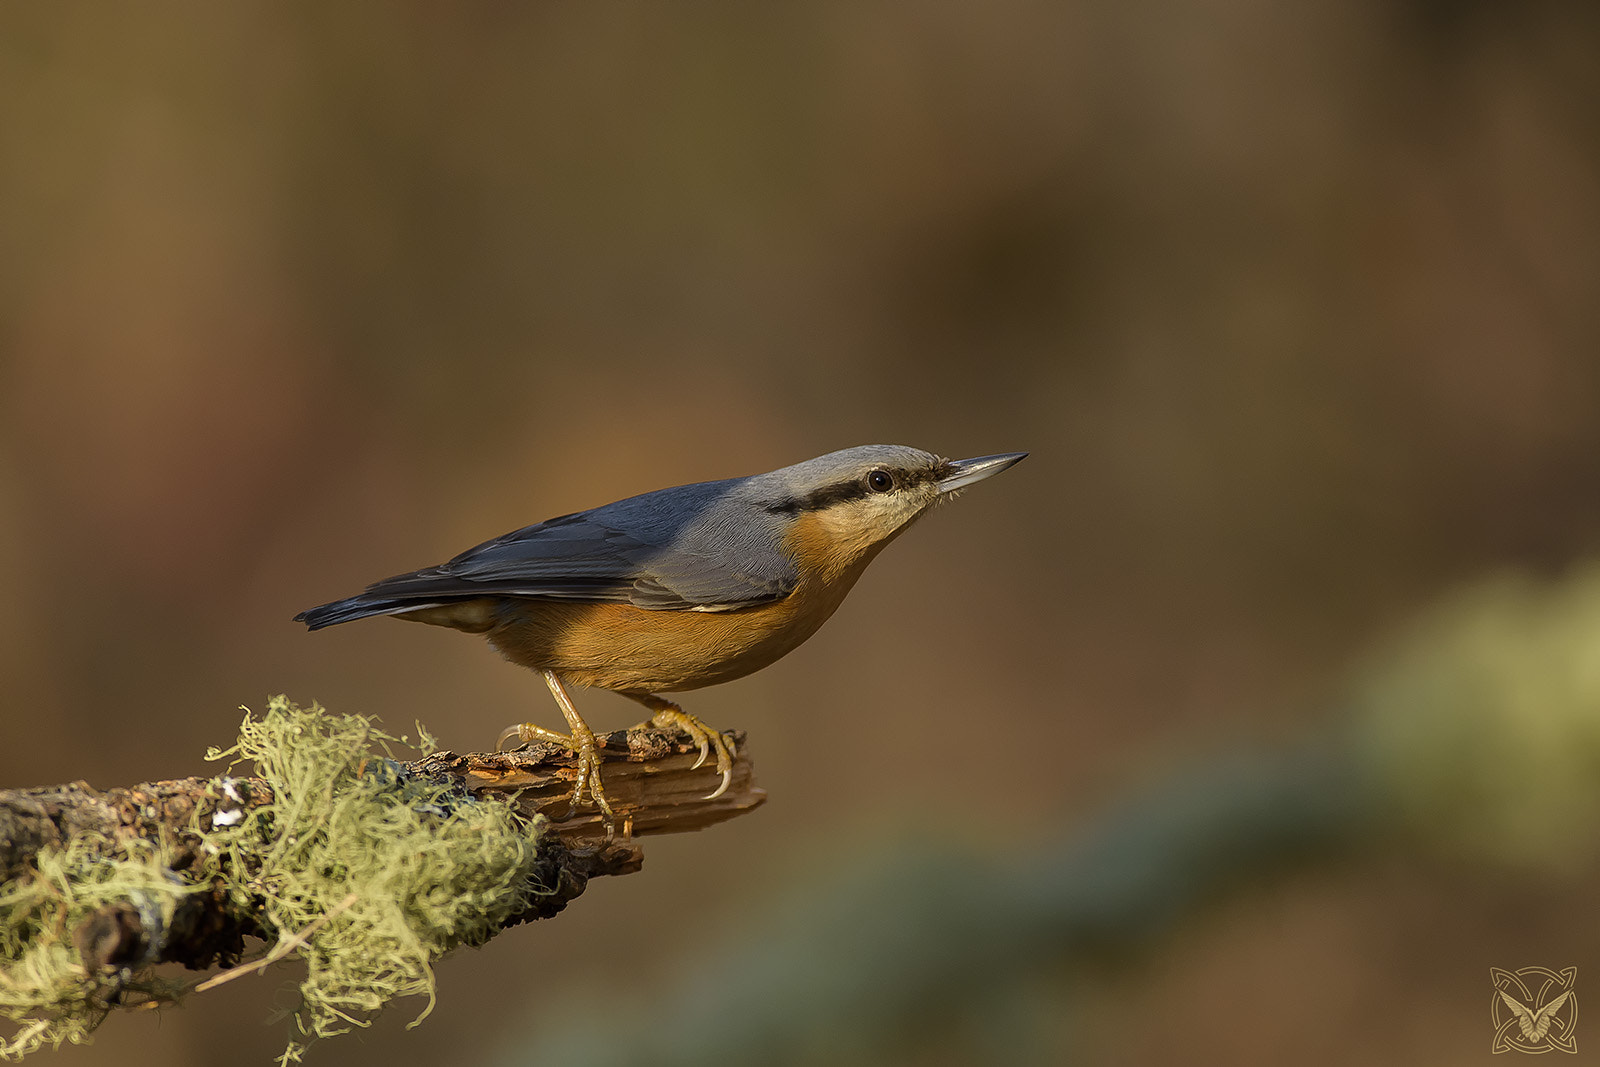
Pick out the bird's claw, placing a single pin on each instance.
(581, 744)
(707, 739)
(588, 754)
(507, 734)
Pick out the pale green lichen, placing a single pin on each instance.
(396, 869)
(43, 986)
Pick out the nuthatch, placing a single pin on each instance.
(676, 589)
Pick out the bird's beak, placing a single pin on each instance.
(963, 472)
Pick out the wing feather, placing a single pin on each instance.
(689, 556)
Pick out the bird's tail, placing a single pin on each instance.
(360, 606)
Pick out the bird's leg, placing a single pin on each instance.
(667, 715)
(580, 743)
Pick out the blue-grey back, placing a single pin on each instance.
(708, 545)
(702, 545)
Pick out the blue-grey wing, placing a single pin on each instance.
(581, 557)
(697, 557)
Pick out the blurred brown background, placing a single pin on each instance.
(1294, 305)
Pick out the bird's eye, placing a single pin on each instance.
(880, 481)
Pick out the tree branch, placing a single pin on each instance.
(183, 871)
(649, 777)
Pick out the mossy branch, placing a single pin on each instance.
(368, 867)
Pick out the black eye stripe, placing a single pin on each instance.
(827, 496)
(855, 488)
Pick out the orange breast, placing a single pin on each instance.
(618, 646)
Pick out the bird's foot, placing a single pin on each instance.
(669, 715)
(582, 744)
